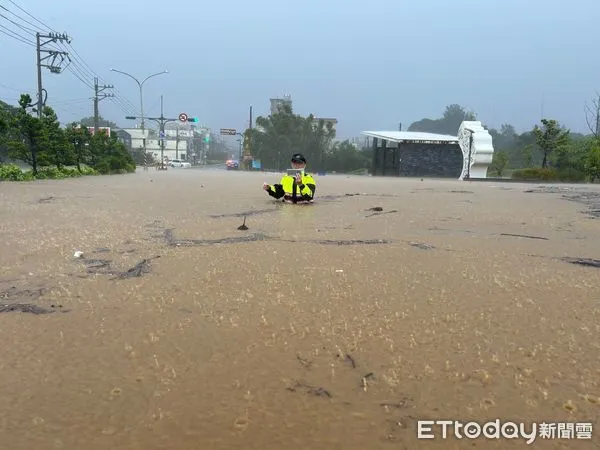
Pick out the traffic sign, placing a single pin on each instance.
(183, 117)
(161, 134)
(228, 131)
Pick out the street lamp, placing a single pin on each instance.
(141, 84)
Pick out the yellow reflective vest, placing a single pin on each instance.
(292, 191)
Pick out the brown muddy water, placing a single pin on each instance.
(336, 325)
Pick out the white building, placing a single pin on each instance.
(174, 148)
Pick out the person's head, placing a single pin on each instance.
(298, 161)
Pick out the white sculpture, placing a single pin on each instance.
(477, 148)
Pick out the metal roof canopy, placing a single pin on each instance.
(412, 137)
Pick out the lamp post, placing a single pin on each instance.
(161, 121)
(141, 85)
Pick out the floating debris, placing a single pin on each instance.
(305, 362)
(25, 308)
(312, 390)
(22, 294)
(589, 199)
(97, 265)
(243, 226)
(524, 236)
(354, 242)
(583, 261)
(169, 236)
(136, 271)
(103, 267)
(380, 213)
(351, 360)
(550, 189)
(227, 240)
(397, 405)
(245, 213)
(421, 245)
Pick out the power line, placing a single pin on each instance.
(76, 65)
(34, 18)
(16, 36)
(37, 28)
(22, 27)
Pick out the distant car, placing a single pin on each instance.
(232, 164)
(180, 163)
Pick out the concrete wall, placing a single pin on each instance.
(418, 160)
(430, 160)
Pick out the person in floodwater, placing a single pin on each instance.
(297, 188)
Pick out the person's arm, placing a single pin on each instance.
(275, 190)
(308, 187)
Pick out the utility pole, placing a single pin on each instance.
(161, 134)
(51, 61)
(250, 140)
(98, 95)
(597, 133)
(161, 121)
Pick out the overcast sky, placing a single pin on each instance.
(370, 64)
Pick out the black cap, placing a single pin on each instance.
(297, 157)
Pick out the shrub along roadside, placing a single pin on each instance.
(49, 149)
(12, 172)
(568, 174)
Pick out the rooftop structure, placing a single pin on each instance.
(411, 137)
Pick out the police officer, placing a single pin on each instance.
(294, 189)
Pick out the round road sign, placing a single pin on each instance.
(183, 117)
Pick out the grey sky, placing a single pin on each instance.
(370, 64)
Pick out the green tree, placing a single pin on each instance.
(54, 140)
(26, 134)
(448, 124)
(550, 137)
(102, 122)
(4, 118)
(345, 157)
(279, 135)
(499, 163)
(528, 156)
(592, 161)
(109, 155)
(80, 139)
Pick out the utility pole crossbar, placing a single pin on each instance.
(161, 121)
(52, 61)
(98, 96)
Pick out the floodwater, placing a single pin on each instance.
(324, 326)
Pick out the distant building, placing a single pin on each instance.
(173, 148)
(105, 130)
(277, 104)
(327, 121)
